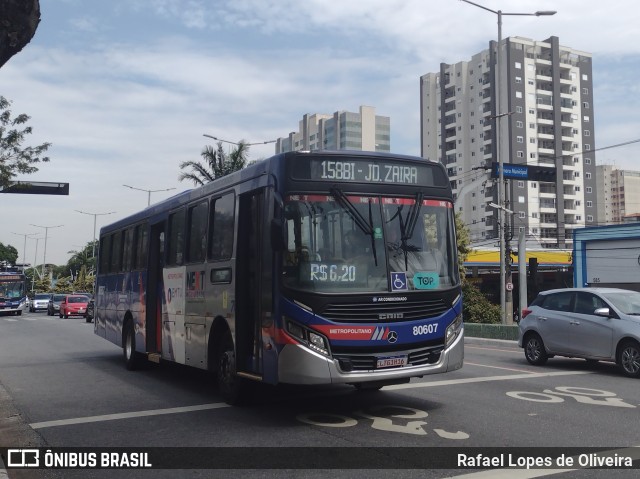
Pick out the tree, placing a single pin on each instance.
(216, 164)
(476, 308)
(20, 19)
(14, 158)
(464, 242)
(8, 255)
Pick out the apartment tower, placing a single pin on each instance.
(618, 194)
(546, 94)
(343, 130)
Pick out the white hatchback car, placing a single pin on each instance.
(597, 324)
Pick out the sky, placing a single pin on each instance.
(124, 90)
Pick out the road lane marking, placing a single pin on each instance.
(515, 351)
(499, 367)
(510, 377)
(202, 407)
(127, 415)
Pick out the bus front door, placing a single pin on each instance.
(250, 269)
(155, 289)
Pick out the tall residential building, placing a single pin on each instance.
(546, 94)
(343, 130)
(618, 194)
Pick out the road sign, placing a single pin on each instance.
(509, 286)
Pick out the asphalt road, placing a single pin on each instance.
(62, 386)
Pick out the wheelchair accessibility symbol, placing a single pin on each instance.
(399, 281)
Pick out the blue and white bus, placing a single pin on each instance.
(324, 267)
(13, 293)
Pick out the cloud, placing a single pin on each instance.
(125, 89)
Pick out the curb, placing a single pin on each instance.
(498, 343)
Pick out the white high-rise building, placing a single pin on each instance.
(343, 130)
(618, 194)
(546, 94)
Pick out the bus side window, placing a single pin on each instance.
(141, 246)
(116, 253)
(222, 228)
(176, 239)
(197, 228)
(127, 257)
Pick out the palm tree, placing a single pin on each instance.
(216, 163)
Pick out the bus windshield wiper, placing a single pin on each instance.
(358, 219)
(407, 226)
(412, 217)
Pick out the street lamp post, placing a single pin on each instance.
(148, 192)
(507, 312)
(237, 143)
(24, 246)
(95, 215)
(46, 235)
(35, 260)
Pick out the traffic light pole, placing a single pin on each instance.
(508, 279)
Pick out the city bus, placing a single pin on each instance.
(311, 268)
(13, 293)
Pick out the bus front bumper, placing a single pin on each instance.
(299, 365)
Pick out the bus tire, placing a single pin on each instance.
(230, 386)
(131, 357)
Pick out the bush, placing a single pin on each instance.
(476, 308)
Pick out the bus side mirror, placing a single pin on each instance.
(278, 242)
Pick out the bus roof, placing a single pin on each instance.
(254, 170)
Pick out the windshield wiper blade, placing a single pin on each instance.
(412, 217)
(358, 219)
(373, 240)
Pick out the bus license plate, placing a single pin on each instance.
(390, 362)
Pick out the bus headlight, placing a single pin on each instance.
(453, 330)
(311, 339)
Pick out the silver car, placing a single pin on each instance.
(597, 324)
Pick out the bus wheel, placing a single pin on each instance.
(229, 384)
(131, 357)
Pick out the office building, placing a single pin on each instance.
(342, 130)
(547, 122)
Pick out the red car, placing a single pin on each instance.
(73, 304)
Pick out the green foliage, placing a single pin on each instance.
(476, 308)
(42, 285)
(83, 281)
(216, 164)
(63, 285)
(8, 255)
(462, 234)
(14, 158)
(81, 259)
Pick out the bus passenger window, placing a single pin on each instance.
(176, 239)
(222, 228)
(197, 228)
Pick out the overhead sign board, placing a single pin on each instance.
(37, 188)
(523, 172)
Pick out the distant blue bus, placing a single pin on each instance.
(306, 268)
(13, 293)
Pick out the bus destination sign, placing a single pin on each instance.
(369, 170)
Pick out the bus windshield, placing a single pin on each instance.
(11, 289)
(356, 243)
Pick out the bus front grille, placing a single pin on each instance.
(366, 362)
(383, 312)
